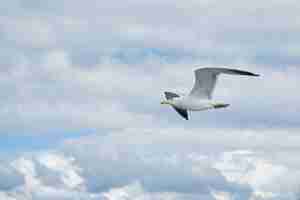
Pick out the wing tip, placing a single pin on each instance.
(253, 74)
(186, 117)
(242, 72)
(238, 71)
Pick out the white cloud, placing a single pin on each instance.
(124, 165)
(264, 176)
(206, 28)
(222, 196)
(54, 94)
(75, 65)
(11, 178)
(65, 167)
(28, 32)
(70, 66)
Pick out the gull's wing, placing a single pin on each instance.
(183, 113)
(206, 78)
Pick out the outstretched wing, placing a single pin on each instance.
(206, 78)
(183, 113)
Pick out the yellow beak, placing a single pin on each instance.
(164, 102)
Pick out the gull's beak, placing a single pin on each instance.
(164, 102)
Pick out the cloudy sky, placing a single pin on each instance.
(81, 83)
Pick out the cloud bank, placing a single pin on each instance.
(126, 166)
(73, 66)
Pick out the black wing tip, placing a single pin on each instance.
(183, 113)
(186, 117)
(241, 72)
(249, 73)
(252, 74)
(238, 71)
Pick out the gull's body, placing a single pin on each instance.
(200, 97)
(192, 104)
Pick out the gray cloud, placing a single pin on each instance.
(183, 165)
(101, 170)
(55, 94)
(197, 158)
(71, 65)
(213, 31)
(10, 177)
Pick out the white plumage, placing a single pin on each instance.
(200, 97)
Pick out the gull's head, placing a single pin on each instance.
(166, 102)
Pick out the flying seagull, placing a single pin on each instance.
(200, 97)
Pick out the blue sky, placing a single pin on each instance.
(81, 84)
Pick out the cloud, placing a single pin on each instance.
(255, 167)
(56, 95)
(124, 165)
(50, 175)
(71, 66)
(214, 31)
(10, 177)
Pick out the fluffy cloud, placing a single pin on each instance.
(11, 178)
(55, 95)
(125, 166)
(215, 31)
(50, 175)
(71, 65)
(68, 66)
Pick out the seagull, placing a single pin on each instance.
(200, 97)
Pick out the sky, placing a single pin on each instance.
(81, 84)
